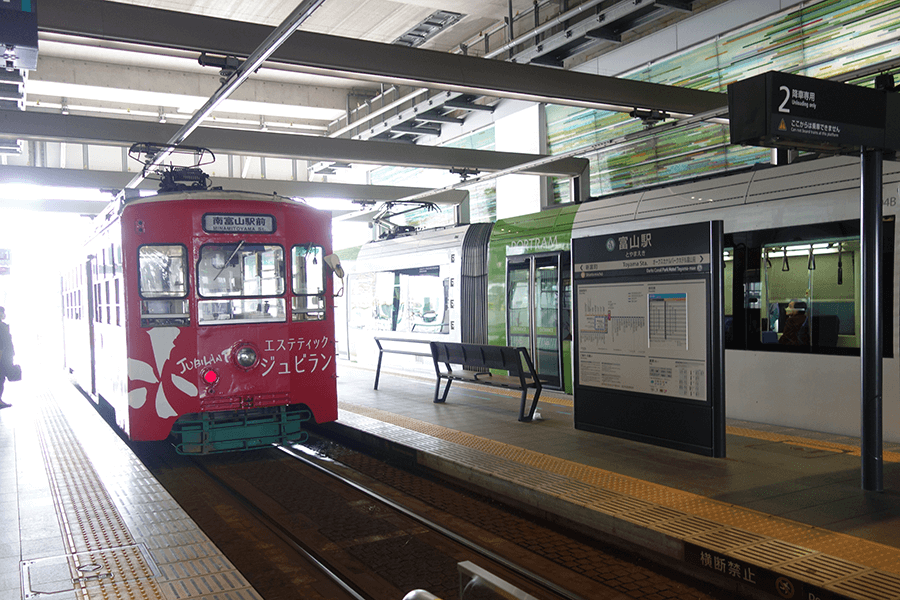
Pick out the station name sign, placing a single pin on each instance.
(650, 252)
(781, 110)
(219, 223)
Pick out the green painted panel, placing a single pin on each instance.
(548, 231)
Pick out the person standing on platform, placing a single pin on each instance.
(6, 354)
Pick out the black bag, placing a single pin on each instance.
(14, 373)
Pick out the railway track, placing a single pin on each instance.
(286, 516)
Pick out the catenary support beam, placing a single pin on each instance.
(111, 180)
(370, 61)
(234, 81)
(51, 126)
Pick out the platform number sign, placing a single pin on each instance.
(802, 98)
(783, 110)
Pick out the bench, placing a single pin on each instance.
(516, 361)
(398, 350)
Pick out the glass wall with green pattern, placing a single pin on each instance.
(828, 40)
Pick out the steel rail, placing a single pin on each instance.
(537, 579)
(285, 536)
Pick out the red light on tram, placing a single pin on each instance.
(210, 377)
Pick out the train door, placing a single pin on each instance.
(535, 311)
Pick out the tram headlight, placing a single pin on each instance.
(246, 357)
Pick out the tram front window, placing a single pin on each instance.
(162, 277)
(308, 283)
(246, 282)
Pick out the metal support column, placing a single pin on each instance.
(872, 326)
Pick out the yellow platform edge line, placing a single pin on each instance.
(840, 545)
(769, 436)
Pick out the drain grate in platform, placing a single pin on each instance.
(687, 526)
(653, 516)
(873, 584)
(821, 568)
(727, 539)
(771, 552)
(622, 504)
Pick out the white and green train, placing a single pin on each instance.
(791, 234)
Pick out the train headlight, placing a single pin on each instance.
(246, 357)
(210, 377)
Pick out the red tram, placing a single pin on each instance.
(206, 314)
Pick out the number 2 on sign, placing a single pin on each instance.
(787, 97)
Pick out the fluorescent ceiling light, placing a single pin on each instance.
(332, 204)
(33, 193)
(181, 102)
(249, 123)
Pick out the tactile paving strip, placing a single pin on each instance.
(125, 536)
(768, 436)
(757, 538)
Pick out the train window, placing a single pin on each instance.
(409, 300)
(799, 288)
(163, 271)
(308, 283)
(118, 302)
(163, 285)
(240, 270)
(245, 278)
(231, 311)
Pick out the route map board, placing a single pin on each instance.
(649, 336)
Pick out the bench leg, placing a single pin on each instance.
(530, 417)
(378, 369)
(522, 416)
(437, 391)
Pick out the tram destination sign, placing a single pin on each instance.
(781, 110)
(224, 223)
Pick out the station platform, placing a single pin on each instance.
(83, 519)
(782, 516)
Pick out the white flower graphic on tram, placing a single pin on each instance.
(162, 341)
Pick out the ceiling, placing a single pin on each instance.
(81, 73)
(348, 72)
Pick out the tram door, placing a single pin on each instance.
(535, 312)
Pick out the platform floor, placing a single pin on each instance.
(83, 519)
(783, 515)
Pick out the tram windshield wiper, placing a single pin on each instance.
(233, 254)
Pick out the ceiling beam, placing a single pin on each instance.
(52, 126)
(370, 61)
(112, 180)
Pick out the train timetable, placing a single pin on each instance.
(644, 337)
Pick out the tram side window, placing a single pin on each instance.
(810, 293)
(410, 300)
(798, 289)
(162, 280)
(308, 283)
(241, 282)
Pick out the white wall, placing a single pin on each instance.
(519, 132)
